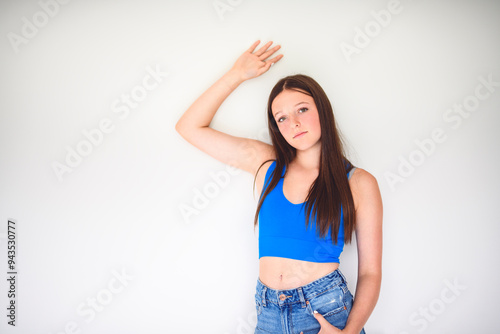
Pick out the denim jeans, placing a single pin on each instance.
(291, 311)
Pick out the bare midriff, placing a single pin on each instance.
(282, 274)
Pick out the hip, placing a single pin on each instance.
(290, 311)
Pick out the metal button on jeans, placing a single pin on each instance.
(282, 297)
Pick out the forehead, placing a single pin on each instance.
(288, 98)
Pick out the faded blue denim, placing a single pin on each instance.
(291, 311)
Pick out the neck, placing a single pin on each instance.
(308, 159)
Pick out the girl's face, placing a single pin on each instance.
(297, 118)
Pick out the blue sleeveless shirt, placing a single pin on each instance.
(283, 232)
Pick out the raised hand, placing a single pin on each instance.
(252, 64)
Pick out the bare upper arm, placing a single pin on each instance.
(369, 215)
(243, 153)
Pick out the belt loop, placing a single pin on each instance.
(342, 275)
(301, 296)
(264, 296)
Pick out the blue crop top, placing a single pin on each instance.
(283, 232)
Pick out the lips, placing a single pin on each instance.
(299, 134)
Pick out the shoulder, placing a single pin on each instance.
(364, 187)
(363, 176)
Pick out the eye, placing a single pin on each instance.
(305, 109)
(279, 119)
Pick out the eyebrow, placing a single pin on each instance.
(294, 106)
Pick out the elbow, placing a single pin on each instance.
(180, 128)
(187, 129)
(375, 275)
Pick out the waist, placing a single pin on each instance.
(285, 273)
(303, 292)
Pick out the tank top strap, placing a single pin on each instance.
(350, 173)
(267, 177)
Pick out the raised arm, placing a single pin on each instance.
(194, 125)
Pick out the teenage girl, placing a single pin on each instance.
(312, 199)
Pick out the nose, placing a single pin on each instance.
(294, 121)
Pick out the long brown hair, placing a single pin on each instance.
(331, 188)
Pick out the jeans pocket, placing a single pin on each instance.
(348, 300)
(329, 302)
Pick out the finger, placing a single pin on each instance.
(268, 64)
(269, 52)
(263, 48)
(254, 45)
(275, 59)
(322, 321)
(265, 68)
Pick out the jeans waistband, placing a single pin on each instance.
(300, 294)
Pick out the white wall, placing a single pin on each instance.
(118, 212)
